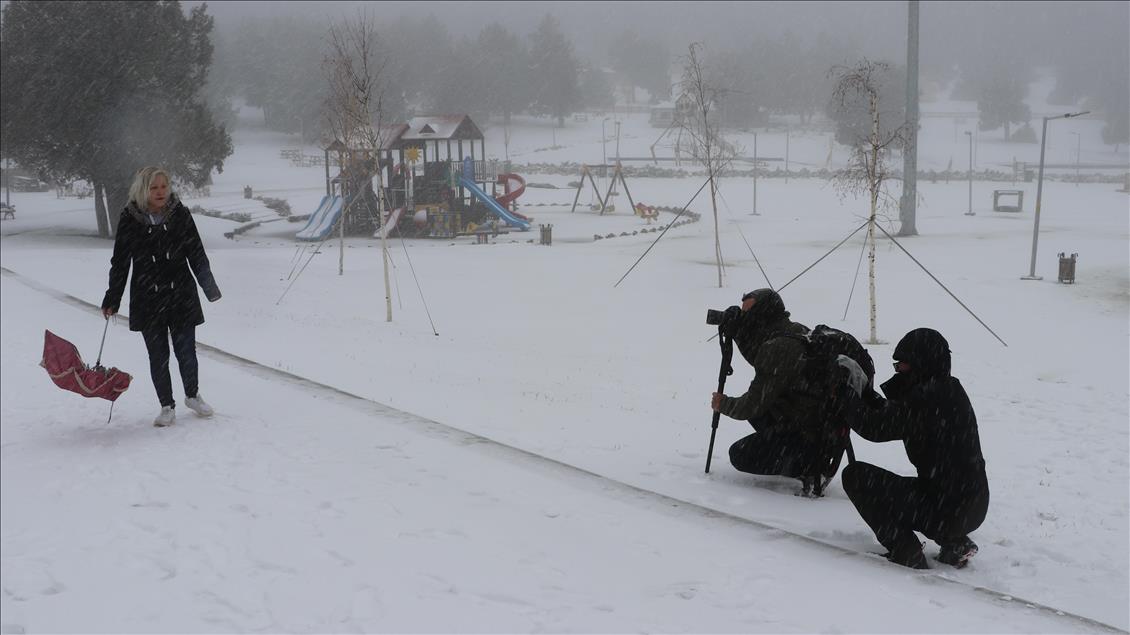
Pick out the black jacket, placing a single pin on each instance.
(162, 289)
(929, 411)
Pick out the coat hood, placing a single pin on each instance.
(768, 307)
(927, 352)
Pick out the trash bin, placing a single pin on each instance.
(1067, 268)
(247, 192)
(546, 234)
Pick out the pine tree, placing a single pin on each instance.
(555, 69)
(78, 100)
(508, 70)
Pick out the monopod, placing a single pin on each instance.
(727, 344)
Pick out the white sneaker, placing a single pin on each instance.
(166, 418)
(199, 406)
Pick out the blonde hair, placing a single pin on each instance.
(139, 191)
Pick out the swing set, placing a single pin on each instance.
(605, 201)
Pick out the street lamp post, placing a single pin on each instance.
(1040, 191)
(970, 174)
(1078, 147)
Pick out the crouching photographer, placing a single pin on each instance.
(788, 416)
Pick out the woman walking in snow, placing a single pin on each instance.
(156, 234)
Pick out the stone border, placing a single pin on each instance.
(688, 217)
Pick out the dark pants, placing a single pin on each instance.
(184, 346)
(770, 452)
(780, 450)
(896, 506)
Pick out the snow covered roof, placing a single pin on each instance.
(441, 127)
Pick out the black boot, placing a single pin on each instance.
(957, 553)
(909, 555)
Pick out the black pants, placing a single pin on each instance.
(896, 506)
(184, 346)
(771, 452)
(777, 449)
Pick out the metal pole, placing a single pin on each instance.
(98, 362)
(1078, 147)
(1039, 197)
(603, 150)
(755, 175)
(786, 156)
(617, 141)
(909, 200)
(970, 174)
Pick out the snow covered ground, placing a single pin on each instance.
(411, 497)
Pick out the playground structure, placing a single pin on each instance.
(433, 171)
(605, 201)
(646, 212)
(350, 198)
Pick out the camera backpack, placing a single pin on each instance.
(823, 375)
(824, 344)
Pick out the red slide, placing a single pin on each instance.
(505, 200)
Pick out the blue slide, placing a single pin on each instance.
(321, 209)
(498, 210)
(322, 222)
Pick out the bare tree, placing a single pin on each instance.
(869, 168)
(709, 148)
(354, 109)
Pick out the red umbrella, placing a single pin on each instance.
(64, 366)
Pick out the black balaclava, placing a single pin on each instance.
(927, 352)
(757, 324)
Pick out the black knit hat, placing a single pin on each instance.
(927, 352)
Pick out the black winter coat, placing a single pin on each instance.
(936, 423)
(162, 289)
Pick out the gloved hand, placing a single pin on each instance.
(852, 373)
(732, 319)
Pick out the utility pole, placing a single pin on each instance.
(910, 151)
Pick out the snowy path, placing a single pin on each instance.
(304, 510)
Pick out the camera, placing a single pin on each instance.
(718, 318)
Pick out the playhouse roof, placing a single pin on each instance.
(390, 134)
(441, 127)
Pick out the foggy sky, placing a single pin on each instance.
(950, 31)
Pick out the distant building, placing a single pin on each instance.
(662, 115)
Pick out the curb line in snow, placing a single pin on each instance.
(541, 461)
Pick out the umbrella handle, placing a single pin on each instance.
(106, 328)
